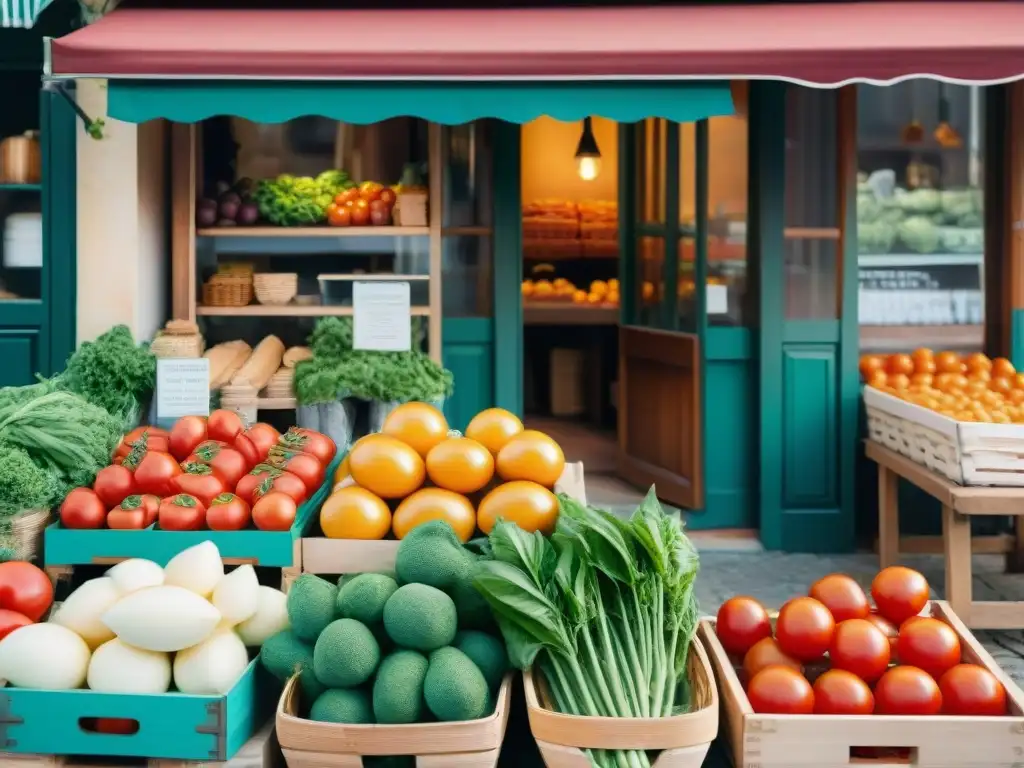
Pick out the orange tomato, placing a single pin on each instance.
(435, 504)
(460, 464)
(979, 374)
(386, 466)
(948, 362)
(531, 455)
(530, 506)
(924, 360)
(978, 362)
(1001, 385)
(493, 428)
(871, 364)
(922, 379)
(898, 380)
(1003, 369)
(878, 379)
(355, 513)
(419, 425)
(899, 364)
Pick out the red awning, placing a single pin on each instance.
(823, 44)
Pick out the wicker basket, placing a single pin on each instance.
(275, 289)
(242, 399)
(177, 346)
(26, 537)
(410, 209)
(224, 290)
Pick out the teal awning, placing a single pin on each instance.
(445, 102)
(21, 13)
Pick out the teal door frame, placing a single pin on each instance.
(808, 368)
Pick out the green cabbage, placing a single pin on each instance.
(919, 234)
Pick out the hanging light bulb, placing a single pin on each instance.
(588, 156)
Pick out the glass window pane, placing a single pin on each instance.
(651, 137)
(466, 290)
(468, 193)
(650, 281)
(811, 279)
(811, 158)
(21, 243)
(686, 287)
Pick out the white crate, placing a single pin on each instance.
(967, 453)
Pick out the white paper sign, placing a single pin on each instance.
(182, 387)
(717, 299)
(382, 316)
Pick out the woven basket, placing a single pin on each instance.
(410, 209)
(176, 346)
(227, 291)
(27, 533)
(275, 289)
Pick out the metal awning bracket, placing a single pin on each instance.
(94, 127)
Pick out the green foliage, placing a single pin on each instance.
(297, 201)
(24, 484)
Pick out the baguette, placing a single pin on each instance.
(296, 355)
(261, 365)
(225, 360)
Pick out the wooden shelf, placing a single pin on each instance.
(313, 232)
(288, 310)
(567, 313)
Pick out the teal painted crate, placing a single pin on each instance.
(273, 549)
(172, 726)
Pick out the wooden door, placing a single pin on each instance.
(660, 357)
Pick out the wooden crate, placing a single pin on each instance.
(683, 740)
(837, 741)
(468, 744)
(967, 453)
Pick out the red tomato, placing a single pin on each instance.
(182, 513)
(187, 433)
(145, 431)
(303, 465)
(888, 629)
(842, 596)
(780, 691)
(264, 437)
(274, 512)
(838, 692)
(228, 463)
(766, 653)
(227, 512)
(201, 481)
(126, 519)
(284, 482)
(968, 689)
(25, 588)
(308, 441)
(148, 504)
(82, 508)
(741, 622)
(804, 628)
(245, 446)
(156, 472)
(899, 593)
(906, 690)
(858, 646)
(250, 482)
(12, 620)
(224, 425)
(929, 644)
(113, 484)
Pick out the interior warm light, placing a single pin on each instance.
(588, 156)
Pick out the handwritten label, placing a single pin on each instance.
(182, 387)
(382, 316)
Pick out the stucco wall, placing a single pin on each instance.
(122, 223)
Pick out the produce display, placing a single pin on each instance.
(368, 204)
(972, 388)
(416, 470)
(600, 292)
(831, 653)
(140, 628)
(205, 473)
(407, 647)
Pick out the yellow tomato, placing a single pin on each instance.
(599, 287)
(342, 471)
(386, 466)
(460, 464)
(435, 504)
(531, 455)
(613, 284)
(421, 426)
(493, 428)
(579, 297)
(355, 513)
(527, 288)
(530, 506)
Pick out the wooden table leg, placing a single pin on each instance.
(956, 533)
(888, 517)
(1015, 557)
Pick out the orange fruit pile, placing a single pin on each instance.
(415, 470)
(969, 388)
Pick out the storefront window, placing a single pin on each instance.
(650, 281)
(651, 135)
(920, 229)
(467, 288)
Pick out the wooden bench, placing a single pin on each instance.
(959, 504)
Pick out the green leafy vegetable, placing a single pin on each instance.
(296, 201)
(605, 609)
(23, 484)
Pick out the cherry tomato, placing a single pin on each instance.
(780, 691)
(224, 425)
(148, 504)
(804, 628)
(181, 512)
(888, 629)
(228, 463)
(308, 441)
(838, 692)
(741, 622)
(156, 472)
(245, 446)
(82, 508)
(119, 519)
(858, 646)
(274, 512)
(285, 482)
(227, 512)
(766, 653)
(303, 465)
(201, 481)
(113, 484)
(264, 437)
(907, 690)
(12, 620)
(929, 644)
(187, 433)
(842, 596)
(968, 689)
(899, 593)
(25, 588)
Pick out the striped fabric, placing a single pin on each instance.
(21, 13)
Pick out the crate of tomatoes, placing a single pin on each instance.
(251, 490)
(833, 679)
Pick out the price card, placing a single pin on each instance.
(182, 388)
(382, 316)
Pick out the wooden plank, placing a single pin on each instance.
(325, 231)
(999, 544)
(289, 310)
(183, 228)
(888, 517)
(956, 534)
(435, 152)
(563, 313)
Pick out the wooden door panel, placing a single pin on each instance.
(660, 414)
